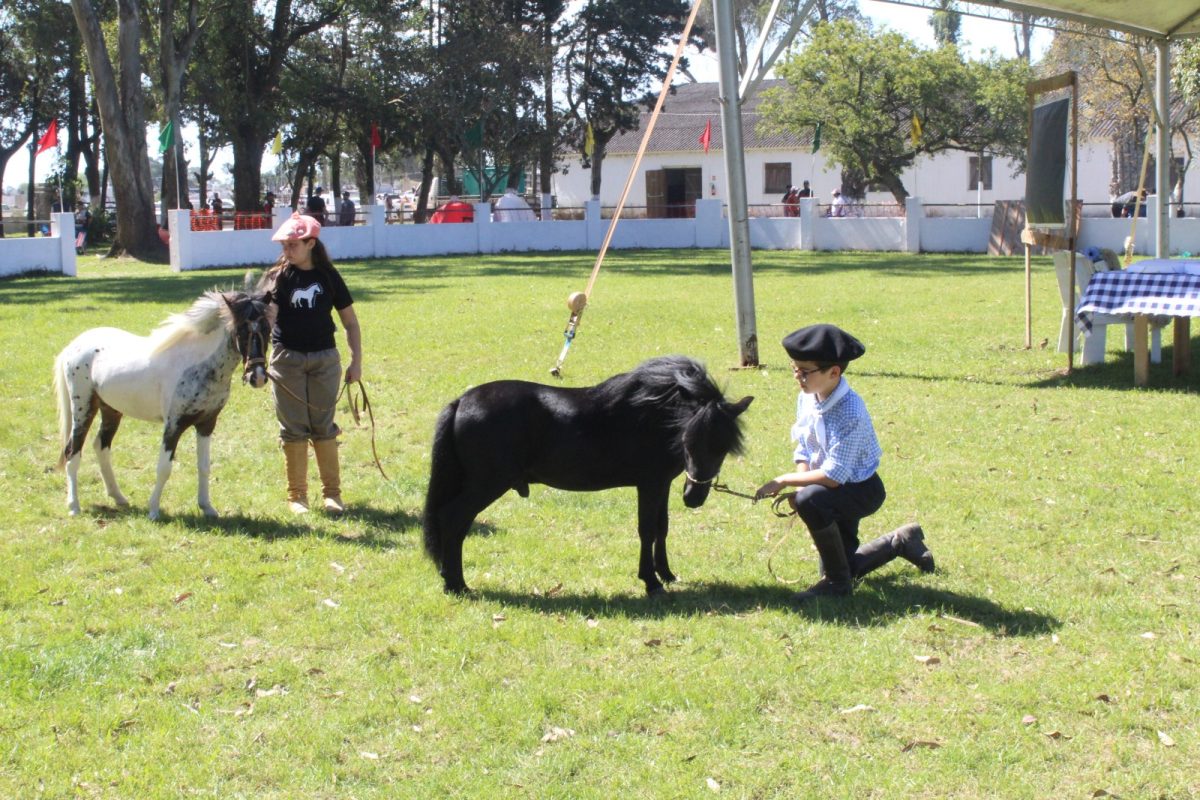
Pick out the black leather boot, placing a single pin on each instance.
(836, 582)
(907, 542)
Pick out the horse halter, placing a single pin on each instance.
(253, 334)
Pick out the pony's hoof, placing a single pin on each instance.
(154, 514)
(656, 592)
(73, 510)
(209, 512)
(120, 500)
(458, 591)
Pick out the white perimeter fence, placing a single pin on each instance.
(912, 233)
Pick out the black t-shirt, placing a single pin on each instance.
(306, 300)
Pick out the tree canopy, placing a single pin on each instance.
(866, 88)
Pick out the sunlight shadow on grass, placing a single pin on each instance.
(366, 527)
(876, 603)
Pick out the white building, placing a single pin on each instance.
(676, 171)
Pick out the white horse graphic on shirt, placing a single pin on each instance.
(306, 297)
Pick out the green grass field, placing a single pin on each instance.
(266, 656)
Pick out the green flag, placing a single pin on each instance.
(474, 137)
(817, 137)
(166, 138)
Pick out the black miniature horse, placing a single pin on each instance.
(641, 428)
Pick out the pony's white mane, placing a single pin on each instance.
(206, 315)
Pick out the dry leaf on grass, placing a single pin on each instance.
(556, 734)
(329, 601)
(179, 598)
(1165, 739)
(856, 709)
(369, 756)
(928, 661)
(913, 745)
(1028, 719)
(592, 622)
(1149, 635)
(712, 785)
(1056, 735)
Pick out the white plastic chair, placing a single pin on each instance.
(1092, 351)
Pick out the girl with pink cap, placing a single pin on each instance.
(304, 289)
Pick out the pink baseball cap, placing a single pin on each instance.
(298, 226)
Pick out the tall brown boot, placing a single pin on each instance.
(296, 455)
(331, 479)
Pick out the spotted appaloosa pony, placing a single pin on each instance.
(178, 375)
(642, 428)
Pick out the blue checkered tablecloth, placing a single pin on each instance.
(1150, 293)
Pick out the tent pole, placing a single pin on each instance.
(1162, 168)
(735, 173)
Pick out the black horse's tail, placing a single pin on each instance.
(445, 479)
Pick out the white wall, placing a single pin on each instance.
(940, 180)
(53, 253)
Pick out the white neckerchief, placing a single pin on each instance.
(823, 407)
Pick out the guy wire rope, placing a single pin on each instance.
(579, 300)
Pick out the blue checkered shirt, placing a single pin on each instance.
(846, 449)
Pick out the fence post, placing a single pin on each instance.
(707, 223)
(914, 212)
(62, 225)
(595, 223)
(808, 222)
(483, 227)
(179, 225)
(375, 218)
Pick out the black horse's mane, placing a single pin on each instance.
(678, 388)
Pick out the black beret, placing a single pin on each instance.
(826, 344)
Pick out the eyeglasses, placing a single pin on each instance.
(804, 373)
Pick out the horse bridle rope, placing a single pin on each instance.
(777, 503)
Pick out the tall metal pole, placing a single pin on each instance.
(1162, 150)
(735, 174)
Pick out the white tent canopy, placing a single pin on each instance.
(1152, 19)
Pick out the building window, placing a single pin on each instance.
(979, 171)
(777, 178)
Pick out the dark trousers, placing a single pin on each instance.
(820, 506)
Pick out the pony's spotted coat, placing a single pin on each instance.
(179, 375)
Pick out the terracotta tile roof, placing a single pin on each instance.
(683, 118)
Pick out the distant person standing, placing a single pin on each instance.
(839, 204)
(804, 192)
(217, 207)
(268, 206)
(316, 205)
(346, 210)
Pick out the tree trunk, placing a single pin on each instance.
(124, 121)
(248, 146)
(422, 211)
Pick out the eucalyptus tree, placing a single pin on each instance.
(615, 51)
(121, 100)
(866, 88)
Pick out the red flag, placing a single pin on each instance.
(49, 139)
(706, 137)
(375, 140)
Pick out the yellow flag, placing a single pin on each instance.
(916, 129)
(589, 141)
(277, 145)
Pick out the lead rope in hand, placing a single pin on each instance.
(366, 406)
(352, 402)
(779, 502)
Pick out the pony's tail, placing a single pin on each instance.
(445, 480)
(63, 393)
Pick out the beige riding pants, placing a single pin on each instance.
(306, 387)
